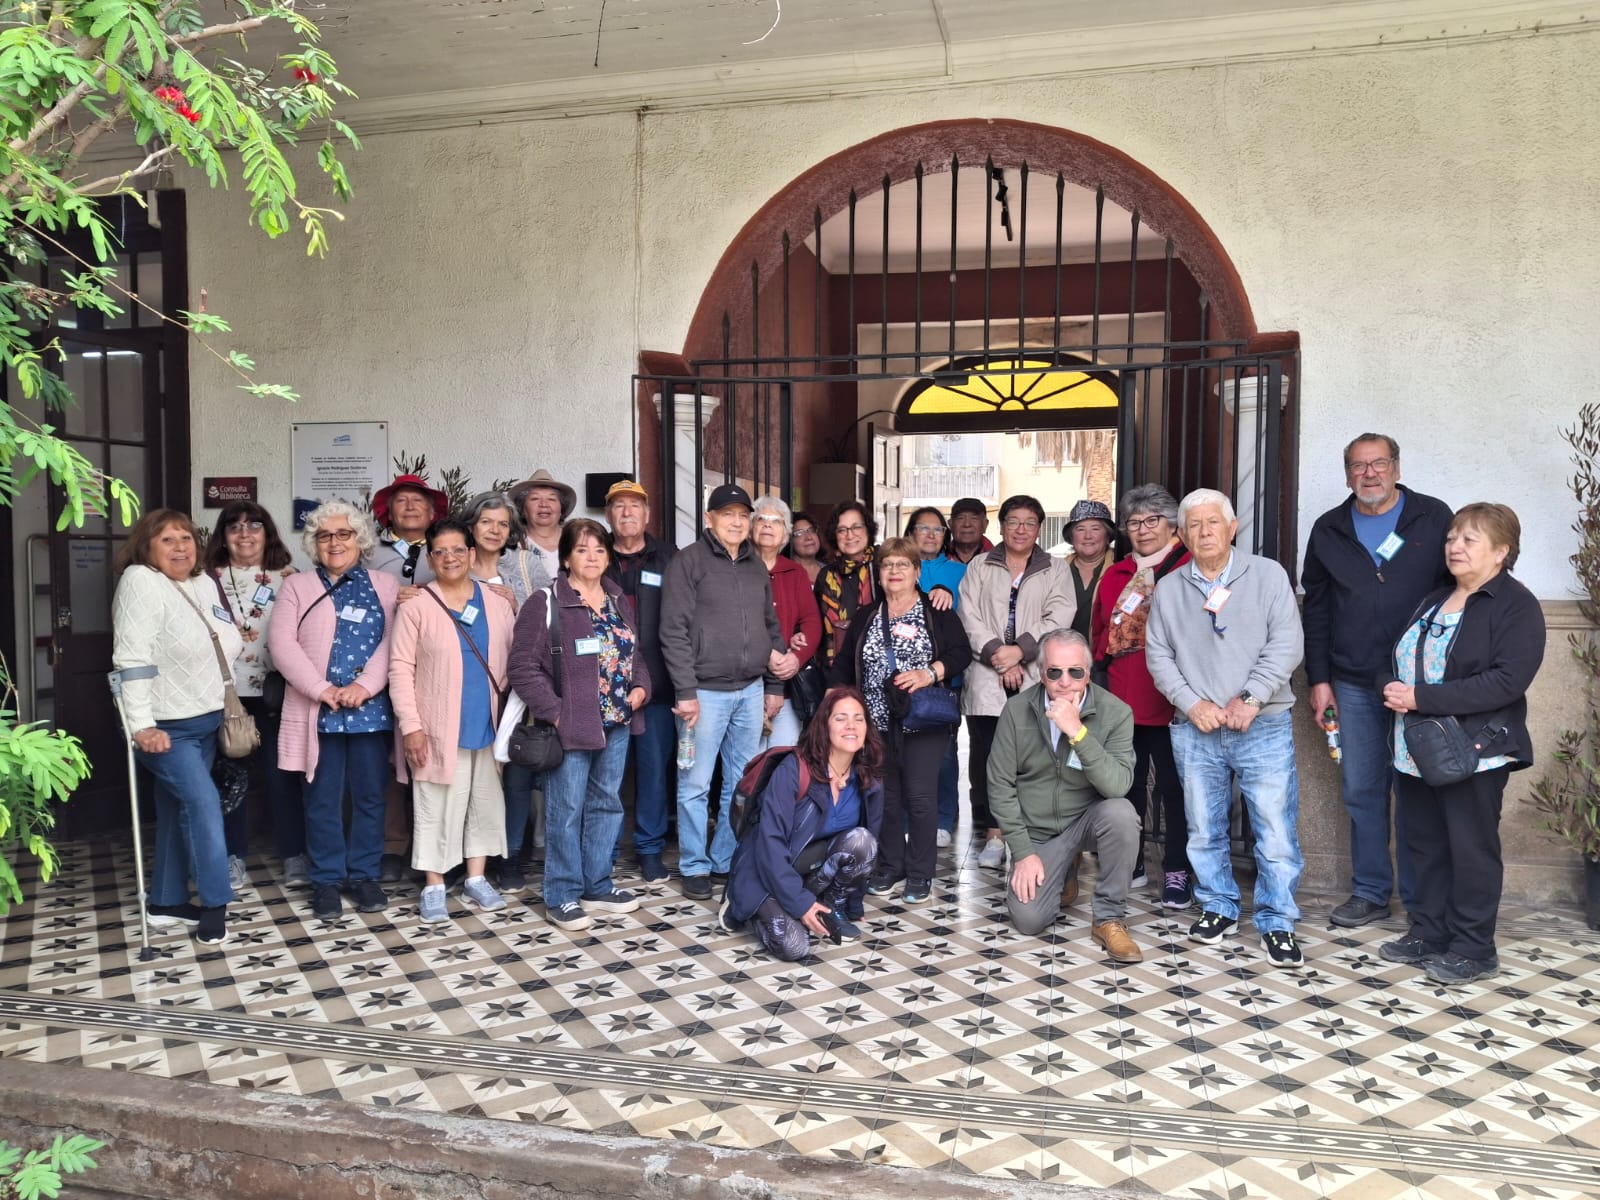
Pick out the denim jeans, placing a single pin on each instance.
(785, 728)
(1261, 760)
(359, 763)
(1366, 773)
(519, 784)
(729, 727)
(654, 765)
(189, 840)
(582, 818)
(949, 781)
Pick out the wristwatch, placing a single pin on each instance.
(1250, 700)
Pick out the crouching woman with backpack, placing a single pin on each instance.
(811, 834)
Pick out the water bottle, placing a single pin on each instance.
(685, 746)
(1330, 726)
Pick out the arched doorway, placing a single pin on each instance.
(991, 243)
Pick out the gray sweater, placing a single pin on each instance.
(1260, 647)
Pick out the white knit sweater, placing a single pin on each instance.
(154, 626)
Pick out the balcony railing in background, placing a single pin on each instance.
(936, 483)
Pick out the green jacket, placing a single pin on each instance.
(1033, 794)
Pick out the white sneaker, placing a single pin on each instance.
(943, 839)
(993, 854)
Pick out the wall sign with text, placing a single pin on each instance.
(337, 460)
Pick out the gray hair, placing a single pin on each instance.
(1202, 497)
(772, 504)
(488, 502)
(1145, 499)
(366, 533)
(1066, 637)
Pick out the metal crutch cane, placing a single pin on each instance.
(117, 679)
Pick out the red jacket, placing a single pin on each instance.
(1128, 678)
(796, 607)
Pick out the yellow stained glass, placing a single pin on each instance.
(1006, 386)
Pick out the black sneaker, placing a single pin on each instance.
(369, 897)
(325, 901)
(1357, 911)
(512, 878)
(652, 868)
(918, 891)
(1453, 968)
(391, 867)
(883, 884)
(697, 887)
(1208, 930)
(213, 926)
(1410, 950)
(170, 916)
(1281, 948)
(569, 916)
(617, 900)
(725, 917)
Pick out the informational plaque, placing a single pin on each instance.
(337, 460)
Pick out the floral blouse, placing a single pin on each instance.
(913, 651)
(616, 664)
(357, 631)
(1435, 651)
(251, 595)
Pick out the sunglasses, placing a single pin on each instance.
(1055, 673)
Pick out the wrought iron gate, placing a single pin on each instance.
(913, 305)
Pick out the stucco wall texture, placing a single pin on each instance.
(1423, 218)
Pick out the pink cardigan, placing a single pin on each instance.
(425, 677)
(300, 653)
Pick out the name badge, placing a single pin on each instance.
(1219, 597)
(351, 613)
(469, 615)
(1132, 602)
(650, 578)
(1074, 761)
(1390, 546)
(263, 596)
(222, 614)
(586, 646)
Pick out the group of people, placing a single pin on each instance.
(1154, 660)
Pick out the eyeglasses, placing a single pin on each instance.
(770, 519)
(851, 529)
(927, 529)
(1151, 522)
(895, 565)
(1377, 465)
(341, 536)
(1020, 526)
(449, 552)
(245, 526)
(1055, 673)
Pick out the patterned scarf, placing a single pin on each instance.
(843, 588)
(1127, 632)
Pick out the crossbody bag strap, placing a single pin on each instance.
(327, 593)
(461, 625)
(216, 642)
(1422, 638)
(555, 638)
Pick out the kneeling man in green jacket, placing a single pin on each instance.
(1059, 775)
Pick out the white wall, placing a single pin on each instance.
(1422, 217)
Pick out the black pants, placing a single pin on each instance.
(1453, 836)
(1152, 751)
(980, 730)
(907, 849)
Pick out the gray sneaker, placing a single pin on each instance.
(1357, 911)
(297, 869)
(432, 906)
(238, 875)
(481, 892)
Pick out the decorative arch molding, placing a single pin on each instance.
(1082, 160)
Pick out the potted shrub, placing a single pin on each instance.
(1568, 797)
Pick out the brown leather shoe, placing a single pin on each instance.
(1070, 892)
(1118, 944)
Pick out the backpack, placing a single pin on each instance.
(746, 811)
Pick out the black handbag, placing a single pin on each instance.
(1444, 752)
(807, 689)
(931, 707)
(272, 692)
(536, 745)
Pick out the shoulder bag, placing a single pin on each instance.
(499, 691)
(237, 736)
(535, 744)
(931, 707)
(1444, 752)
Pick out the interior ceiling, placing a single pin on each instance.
(389, 49)
(974, 199)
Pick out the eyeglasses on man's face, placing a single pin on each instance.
(324, 536)
(1055, 673)
(245, 526)
(1378, 466)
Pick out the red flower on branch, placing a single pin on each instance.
(188, 114)
(168, 95)
(305, 76)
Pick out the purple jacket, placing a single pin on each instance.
(577, 710)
